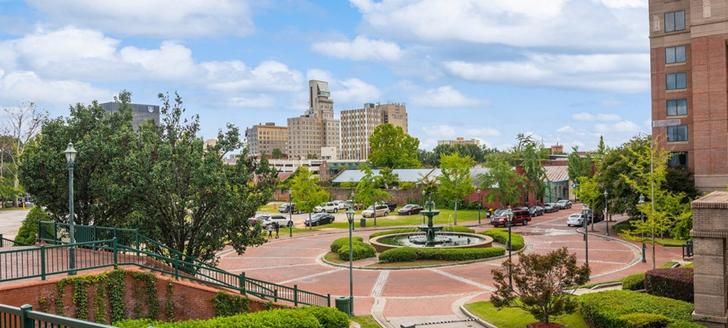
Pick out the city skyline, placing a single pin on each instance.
(248, 63)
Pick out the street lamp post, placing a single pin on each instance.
(480, 205)
(350, 217)
(510, 249)
(70, 153)
(290, 214)
(642, 238)
(606, 209)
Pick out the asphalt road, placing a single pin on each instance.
(10, 221)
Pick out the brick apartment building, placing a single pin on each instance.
(689, 72)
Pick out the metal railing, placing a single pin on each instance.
(129, 247)
(25, 317)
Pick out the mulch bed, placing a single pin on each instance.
(544, 325)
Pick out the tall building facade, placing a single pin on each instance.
(357, 125)
(140, 113)
(316, 128)
(459, 141)
(262, 139)
(689, 75)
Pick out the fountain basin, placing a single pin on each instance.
(442, 240)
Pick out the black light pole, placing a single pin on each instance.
(71, 159)
(350, 217)
(642, 237)
(510, 249)
(290, 214)
(480, 205)
(606, 209)
(585, 216)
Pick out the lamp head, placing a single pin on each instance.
(70, 153)
(642, 199)
(350, 215)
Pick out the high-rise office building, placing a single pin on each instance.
(357, 125)
(689, 73)
(264, 139)
(315, 129)
(140, 113)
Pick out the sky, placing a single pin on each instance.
(563, 71)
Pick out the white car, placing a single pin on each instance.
(375, 210)
(329, 207)
(575, 219)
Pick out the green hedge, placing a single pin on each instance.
(336, 244)
(634, 282)
(674, 283)
(311, 317)
(28, 231)
(405, 254)
(361, 251)
(606, 309)
(406, 230)
(644, 320)
(501, 236)
(227, 305)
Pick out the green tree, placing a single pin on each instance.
(388, 178)
(590, 193)
(455, 180)
(306, 192)
(368, 192)
(29, 229)
(622, 198)
(277, 153)
(504, 184)
(428, 158)
(24, 123)
(392, 147)
(103, 186)
(579, 166)
(530, 156)
(188, 197)
(541, 283)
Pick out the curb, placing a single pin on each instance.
(476, 318)
(635, 251)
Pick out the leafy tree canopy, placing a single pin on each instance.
(392, 147)
(503, 182)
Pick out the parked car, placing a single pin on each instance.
(519, 216)
(575, 219)
(329, 207)
(564, 203)
(287, 207)
(391, 206)
(341, 205)
(550, 208)
(375, 210)
(319, 219)
(598, 217)
(535, 210)
(498, 213)
(280, 219)
(410, 209)
(257, 219)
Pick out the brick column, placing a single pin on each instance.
(710, 231)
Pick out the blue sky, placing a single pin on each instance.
(564, 71)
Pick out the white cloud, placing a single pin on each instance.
(625, 126)
(444, 96)
(253, 101)
(522, 23)
(482, 132)
(566, 129)
(449, 131)
(170, 61)
(235, 76)
(28, 86)
(583, 116)
(157, 18)
(361, 48)
(607, 72)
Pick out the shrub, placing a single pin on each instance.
(634, 282)
(407, 254)
(328, 317)
(400, 254)
(361, 251)
(501, 236)
(336, 244)
(604, 309)
(227, 305)
(674, 283)
(644, 320)
(684, 324)
(29, 229)
(290, 318)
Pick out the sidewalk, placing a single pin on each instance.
(663, 254)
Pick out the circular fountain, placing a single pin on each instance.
(430, 235)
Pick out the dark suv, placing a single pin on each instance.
(520, 216)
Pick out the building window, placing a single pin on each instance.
(675, 55)
(677, 107)
(677, 81)
(677, 133)
(678, 159)
(675, 21)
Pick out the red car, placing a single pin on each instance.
(521, 217)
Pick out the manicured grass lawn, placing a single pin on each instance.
(271, 207)
(366, 321)
(623, 227)
(511, 317)
(446, 217)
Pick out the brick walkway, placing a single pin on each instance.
(426, 295)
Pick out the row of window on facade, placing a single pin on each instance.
(674, 21)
